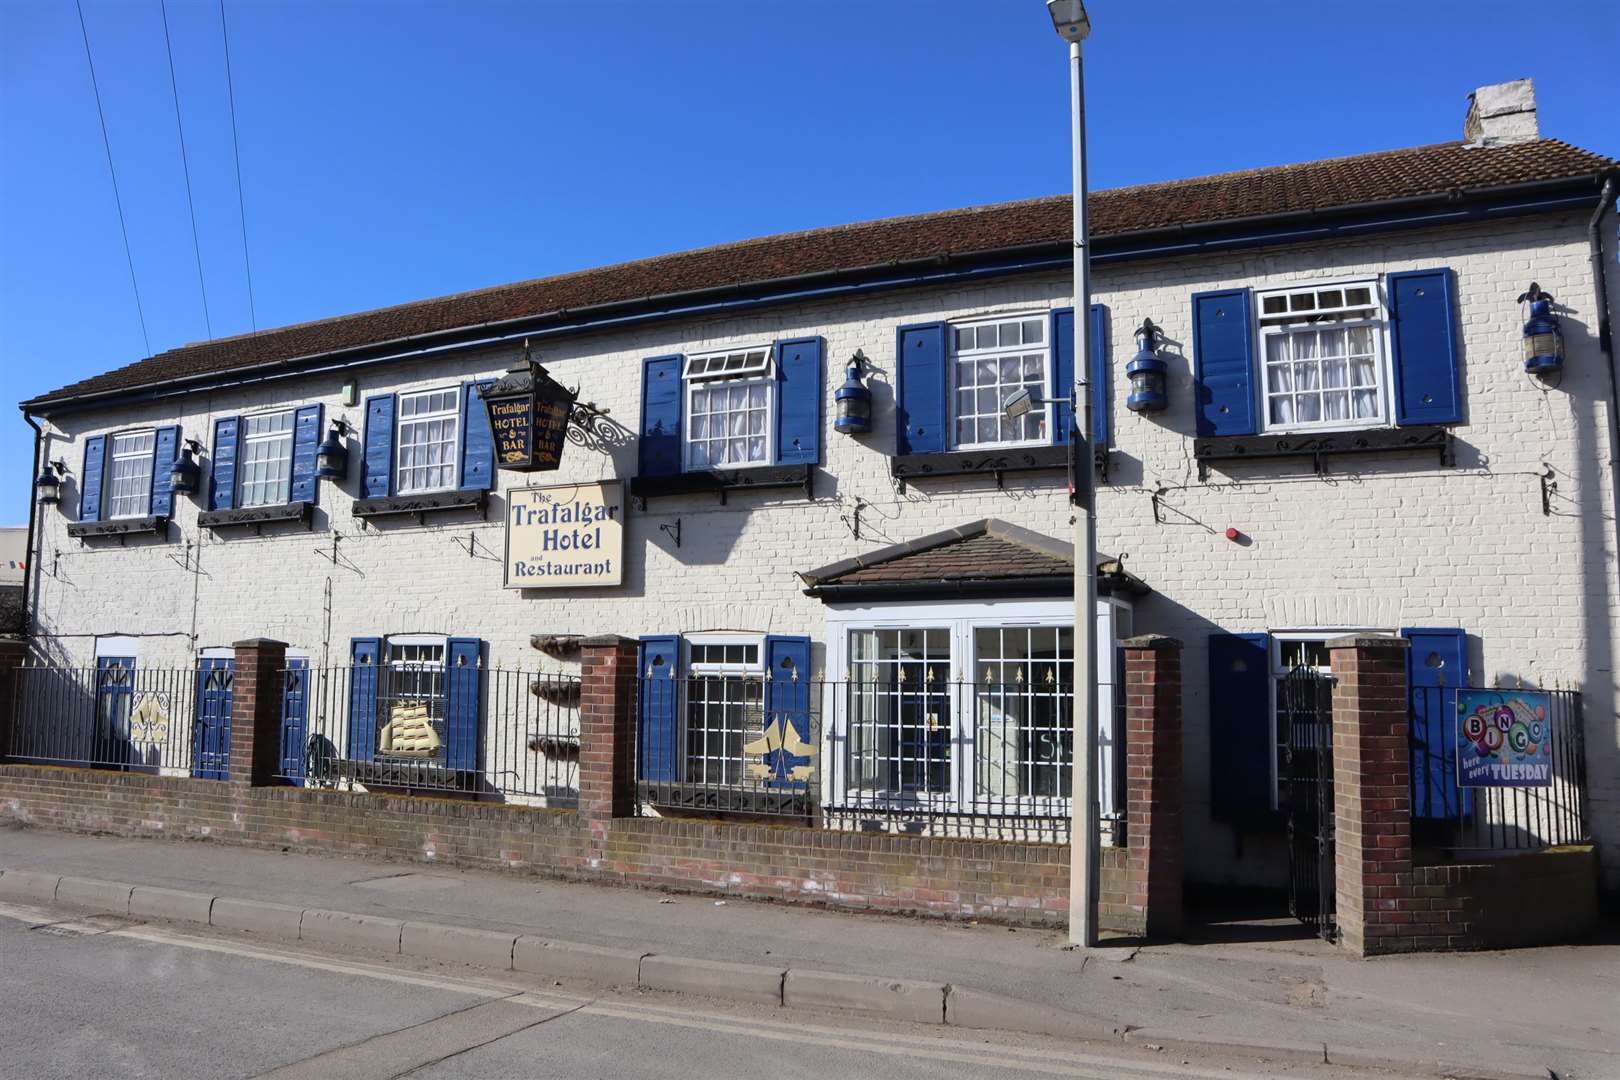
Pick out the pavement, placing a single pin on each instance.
(1261, 987)
(91, 996)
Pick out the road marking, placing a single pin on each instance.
(1052, 1062)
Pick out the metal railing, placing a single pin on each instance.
(1543, 811)
(172, 721)
(500, 734)
(893, 750)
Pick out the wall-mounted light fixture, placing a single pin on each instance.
(49, 485)
(185, 475)
(854, 399)
(1543, 339)
(332, 456)
(1148, 372)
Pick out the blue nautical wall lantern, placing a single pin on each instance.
(854, 400)
(332, 456)
(185, 474)
(1148, 372)
(1543, 339)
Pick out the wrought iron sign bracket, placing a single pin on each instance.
(1549, 488)
(672, 531)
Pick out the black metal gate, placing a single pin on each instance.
(1305, 716)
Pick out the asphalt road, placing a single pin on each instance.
(99, 996)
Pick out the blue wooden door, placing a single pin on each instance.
(295, 720)
(115, 697)
(212, 741)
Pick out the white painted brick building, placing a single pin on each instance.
(1379, 541)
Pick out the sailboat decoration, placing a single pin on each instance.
(409, 732)
(780, 756)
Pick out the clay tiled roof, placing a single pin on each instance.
(978, 558)
(1313, 187)
(977, 555)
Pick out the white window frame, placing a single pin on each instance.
(961, 619)
(1381, 360)
(740, 672)
(400, 420)
(761, 373)
(952, 357)
(242, 456)
(1276, 672)
(109, 473)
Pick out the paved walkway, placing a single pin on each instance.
(1521, 1011)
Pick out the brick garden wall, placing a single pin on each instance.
(997, 880)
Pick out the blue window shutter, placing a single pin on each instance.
(1437, 659)
(306, 441)
(1423, 348)
(787, 712)
(799, 396)
(222, 467)
(294, 719)
(95, 465)
(1062, 331)
(165, 448)
(477, 439)
(1102, 387)
(365, 658)
(659, 669)
(660, 448)
(377, 469)
(1223, 363)
(463, 684)
(1240, 749)
(921, 389)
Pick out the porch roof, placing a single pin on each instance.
(986, 558)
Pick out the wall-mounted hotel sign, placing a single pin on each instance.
(528, 413)
(566, 536)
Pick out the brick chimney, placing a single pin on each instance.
(1502, 114)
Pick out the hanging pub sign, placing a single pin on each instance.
(1504, 738)
(566, 536)
(528, 414)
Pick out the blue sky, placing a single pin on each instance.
(394, 151)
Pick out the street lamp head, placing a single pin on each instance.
(1069, 19)
(1018, 403)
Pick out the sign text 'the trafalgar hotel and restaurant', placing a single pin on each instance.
(565, 536)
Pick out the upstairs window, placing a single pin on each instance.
(129, 492)
(429, 425)
(267, 450)
(993, 359)
(1324, 364)
(730, 402)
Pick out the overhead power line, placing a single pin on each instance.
(236, 150)
(185, 167)
(117, 199)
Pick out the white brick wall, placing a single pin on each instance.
(1380, 542)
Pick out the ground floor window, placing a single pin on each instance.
(411, 713)
(965, 707)
(1292, 650)
(724, 707)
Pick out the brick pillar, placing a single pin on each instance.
(12, 655)
(607, 699)
(1153, 793)
(256, 693)
(1371, 795)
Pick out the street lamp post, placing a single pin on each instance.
(1072, 24)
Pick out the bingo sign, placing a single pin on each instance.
(566, 536)
(1504, 738)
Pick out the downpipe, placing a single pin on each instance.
(1600, 287)
(30, 564)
